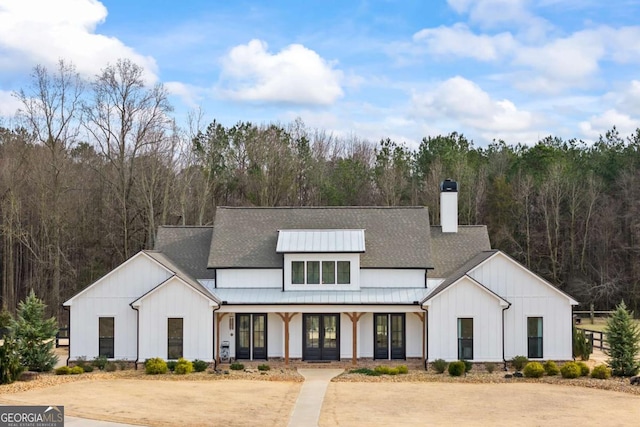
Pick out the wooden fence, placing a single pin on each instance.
(597, 339)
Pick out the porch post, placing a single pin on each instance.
(421, 316)
(354, 322)
(286, 318)
(219, 317)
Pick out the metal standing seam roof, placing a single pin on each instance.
(318, 241)
(263, 296)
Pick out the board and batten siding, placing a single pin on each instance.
(465, 299)
(175, 299)
(392, 278)
(110, 296)
(530, 296)
(249, 278)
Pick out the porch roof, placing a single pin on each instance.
(266, 296)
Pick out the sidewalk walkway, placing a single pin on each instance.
(306, 413)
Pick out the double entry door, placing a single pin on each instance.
(389, 336)
(321, 337)
(251, 336)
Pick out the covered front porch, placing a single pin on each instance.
(321, 333)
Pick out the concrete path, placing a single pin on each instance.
(306, 413)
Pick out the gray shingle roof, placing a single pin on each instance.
(188, 247)
(179, 272)
(396, 237)
(460, 272)
(452, 250)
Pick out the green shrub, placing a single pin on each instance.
(581, 344)
(183, 366)
(155, 366)
(264, 367)
(63, 370)
(403, 369)
(584, 369)
(490, 367)
(171, 365)
(519, 362)
(550, 368)
(467, 365)
(365, 371)
(236, 366)
(570, 370)
(122, 364)
(456, 368)
(76, 370)
(381, 369)
(533, 370)
(601, 372)
(10, 366)
(439, 365)
(201, 365)
(110, 367)
(87, 368)
(100, 362)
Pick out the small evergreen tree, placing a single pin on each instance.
(10, 366)
(623, 337)
(35, 335)
(581, 344)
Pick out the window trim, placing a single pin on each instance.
(320, 263)
(169, 345)
(111, 338)
(465, 340)
(539, 338)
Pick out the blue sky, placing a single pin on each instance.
(516, 70)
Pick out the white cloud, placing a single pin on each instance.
(460, 41)
(189, 94)
(296, 75)
(599, 124)
(43, 31)
(465, 102)
(9, 104)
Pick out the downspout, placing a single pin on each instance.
(426, 336)
(137, 337)
(504, 360)
(68, 333)
(213, 318)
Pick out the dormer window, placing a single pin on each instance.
(320, 272)
(315, 258)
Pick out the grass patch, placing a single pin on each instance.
(365, 371)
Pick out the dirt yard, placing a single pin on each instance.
(411, 404)
(239, 402)
(170, 403)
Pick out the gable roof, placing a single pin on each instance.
(180, 273)
(213, 301)
(460, 273)
(451, 251)
(397, 237)
(188, 247)
(503, 302)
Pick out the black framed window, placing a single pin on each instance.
(313, 272)
(297, 272)
(344, 272)
(328, 272)
(534, 337)
(106, 333)
(175, 338)
(465, 338)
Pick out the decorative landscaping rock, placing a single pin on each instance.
(30, 376)
(508, 376)
(635, 380)
(518, 374)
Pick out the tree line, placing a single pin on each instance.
(90, 169)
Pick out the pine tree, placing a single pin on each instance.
(35, 335)
(623, 337)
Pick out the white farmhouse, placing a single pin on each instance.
(322, 284)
